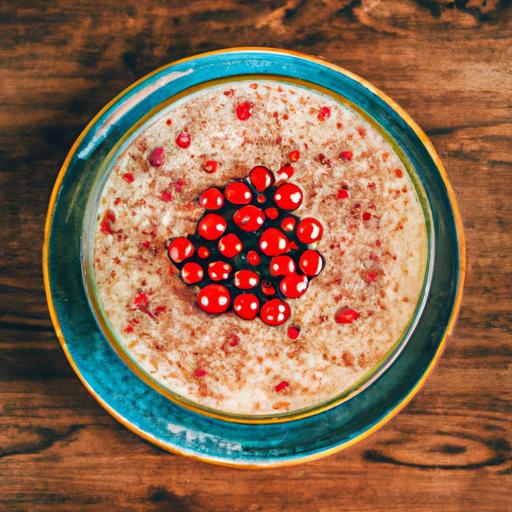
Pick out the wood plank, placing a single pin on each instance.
(449, 63)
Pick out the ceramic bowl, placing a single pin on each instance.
(170, 421)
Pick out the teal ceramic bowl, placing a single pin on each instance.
(175, 427)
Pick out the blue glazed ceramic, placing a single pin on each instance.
(146, 411)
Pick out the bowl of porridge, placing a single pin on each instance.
(247, 243)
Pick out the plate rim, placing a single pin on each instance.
(447, 330)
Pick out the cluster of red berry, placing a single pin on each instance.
(249, 253)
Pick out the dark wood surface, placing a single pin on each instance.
(448, 63)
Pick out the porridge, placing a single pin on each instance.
(259, 248)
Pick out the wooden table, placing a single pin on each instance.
(448, 63)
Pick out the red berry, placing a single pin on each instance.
(238, 192)
(106, 223)
(324, 160)
(346, 316)
(210, 166)
(106, 227)
(311, 263)
(159, 310)
(342, 194)
(200, 372)
(261, 178)
(282, 386)
(246, 306)
(180, 249)
(249, 218)
(211, 199)
(371, 276)
(294, 286)
(271, 213)
(244, 110)
(203, 252)
(110, 216)
(212, 226)
(261, 198)
(230, 245)
(286, 172)
(180, 183)
(157, 157)
(219, 270)
(293, 332)
(246, 279)
(166, 196)
(288, 224)
(288, 196)
(399, 173)
(253, 258)
(324, 113)
(267, 288)
(309, 230)
(213, 298)
(282, 265)
(294, 155)
(275, 312)
(192, 272)
(183, 140)
(141, 300)
(233, 340)
(366, 216)
(273, 242)
(346, 155)
(128, 177)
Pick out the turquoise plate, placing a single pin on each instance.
(178, 429)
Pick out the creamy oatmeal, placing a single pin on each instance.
(343, 316)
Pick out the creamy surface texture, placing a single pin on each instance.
(374, 245)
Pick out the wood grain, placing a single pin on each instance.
(449, 63)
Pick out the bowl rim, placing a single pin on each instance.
(452, 203)
(114, 337)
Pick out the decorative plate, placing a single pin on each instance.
(152, 415)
